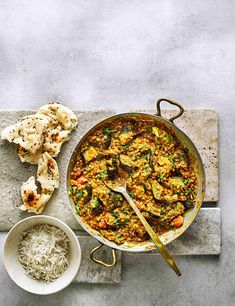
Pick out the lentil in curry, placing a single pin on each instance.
(161, 179)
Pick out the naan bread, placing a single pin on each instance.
(60, 121)
(54, 140)
(48, 172)
(28, 132)
(26, 156)
(48, 177)
(66, 118)
(33, 202)
(39, 138)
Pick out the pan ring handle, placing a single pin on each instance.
(100, 262)
(159, 112)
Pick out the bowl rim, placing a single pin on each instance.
(78, 248)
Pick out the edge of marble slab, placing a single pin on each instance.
(93, 273)
(116, 111)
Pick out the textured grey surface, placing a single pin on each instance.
(194, 122)
(125, 54)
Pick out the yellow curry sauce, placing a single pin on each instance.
(159, 173)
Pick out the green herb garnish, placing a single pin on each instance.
(108, 131)
(124, 211)
(72, 190)
(131, 194)
(77, 207)
(79, 194)
(168, 137)
(191, 192)
(173, 161)
(114, 156)
(115, 214)
(126, 129)
(101, 175)
(149, 130)
(125, 146)
(94, 203)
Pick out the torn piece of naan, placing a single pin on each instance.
(48, 177)
(26, 156)
(39, 138)
(33, 201)
(48, 172)
(66, 118)
(61, 122)
(54, 140)
(28, 132)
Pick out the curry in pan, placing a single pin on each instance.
(160, 179)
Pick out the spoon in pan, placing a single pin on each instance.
(121, 188)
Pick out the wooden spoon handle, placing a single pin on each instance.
(162, 249)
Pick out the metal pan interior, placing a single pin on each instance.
(189, 215)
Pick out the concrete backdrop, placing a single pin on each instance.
(125, 54)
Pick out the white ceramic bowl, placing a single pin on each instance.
(16, 270)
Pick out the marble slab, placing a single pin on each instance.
(200, 125)
(91, 272)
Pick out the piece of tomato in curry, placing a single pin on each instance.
(161, 180)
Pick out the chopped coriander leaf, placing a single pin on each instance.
(126, 220)
(161, 176)
(126, 129)
(149, 130)
(101, 174)
(185, 181)
(124, 211)
(168, 137)
(119, 235)
(114, 156)
(173, 161)
(115, 214)
(191, 191)
(147, 172)
(125, 146)
(108, 131)
(72, 190)
(116, 222)
(94, 203)
(79, 194)
(77, 207)
(131, 194)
